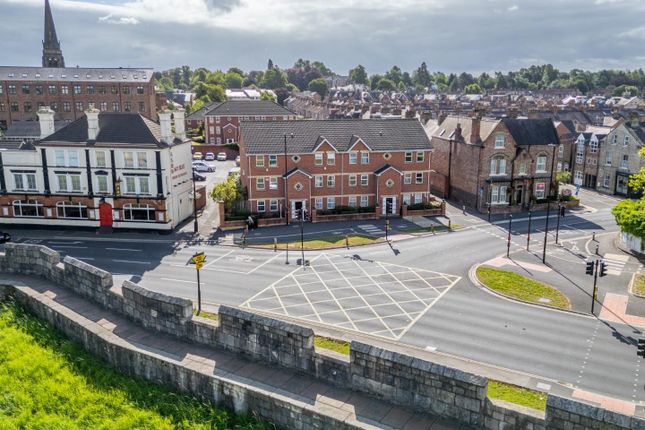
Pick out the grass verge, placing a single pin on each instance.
(328, 242)
(518, 395)
(519, 287)
(204, 314)
(638, 287)
(51, 382)
(336, 345)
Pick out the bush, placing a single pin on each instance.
(569, 198)
(423, 206)
(630, 217)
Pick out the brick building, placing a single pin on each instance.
(223, 121)
(501, 163)
(368, 164)
(587, 156)
(104, 169)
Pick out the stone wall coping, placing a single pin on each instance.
(10, 246)
(522, 410)
(160, 297)
(266, 321)
(81, 265)
(575, 407)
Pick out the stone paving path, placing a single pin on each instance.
(358, 409)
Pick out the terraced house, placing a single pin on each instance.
(103, 170)
(321, 165)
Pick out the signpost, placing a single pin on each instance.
(199, 259)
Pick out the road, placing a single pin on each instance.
(416, 291)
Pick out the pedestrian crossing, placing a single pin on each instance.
(615, 263)
(372, 230)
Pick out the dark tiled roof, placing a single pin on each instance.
(75, 74)
(16, 145)
(384, 169)
(249, 108)
(30, 128)
(198, 115)
(114, 129)
(532, 131)
(267, 137)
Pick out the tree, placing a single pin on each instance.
(324, 70)
(630, 214)
(626, 90)
(265, 95)
(270, 64)
(234, 80)
(319, 85)
(358, 75)
(282, 94)
(473, 89)
(374, 80)
(274, 78)
(561, 177)
(386, 85)
(228, 192)
(394, 75)
(421, 76)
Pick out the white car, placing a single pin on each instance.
(200, 166)
(221, 156)
(234, 171)
(209, 156)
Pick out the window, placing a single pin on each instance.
(273, 161)
(139, 90)
(24, 181)
(593, 146)
(407, 178)
(408, 157)
(319, 181)
(102, 182)
(137, 185)
(331, 181)
(218, 130)
(77, 89)
(365, 180)
(624, 163)
(59, 155)
(420, 156)
(318, 158)
(138, 212)
(522, 169)
(39, 90)
(331, 158)
(614, 140)
(498, 166)
(406, 199)
(261, 206)
(259, 161)
(103, 106)
(498, 195)
(499, 141)
(273, 183)
(11, 89)
(89, 89)
(142, 107)
(365, 157)
(27, 208)
(69, 182)
(578, 175)
(1, 89)
(79, 106)
(319, 203)
(259, 184)
(102, 90)
(67, 107)
(115, 106)
(125, 90)
(52, 89)
(127, 107)
(2, 107)
(559, 167)
(352, 180)
(273, 205)
(142, 160)
(353, 158)
(540, 166)
(64, 89)
(365, 201)
(27, 107)
(71, 210)
(580, 153)
(351, 201)
(331, 202)
(115, 90)
(540, 190)
(14, 107)
(626, 141)
(592, 161)
(135, 160)
(561, 150)
(25, 88)
(608, 158)
(418, 178)
(605, 180)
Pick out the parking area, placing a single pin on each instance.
(366, 296)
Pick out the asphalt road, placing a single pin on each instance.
(576, 350)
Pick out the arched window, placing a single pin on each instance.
(138, 212)
(66, 209)
(27, 208)
(498, 166)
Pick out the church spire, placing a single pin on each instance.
(52, 54)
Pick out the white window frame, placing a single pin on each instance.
(69, 181)
(139, 188)
(407, 178)
(624, 162)
(331, 158)
(418, 178)
(593, 146)
(273, 161)
(331, 202)
(259, 161)
(98, 184)
(61, 207)
(352, 180)
(273, 183)
(605, 180)
(318, 181)
(353, 157)
(500, 141)
(351, 201)
(318, 158)
(259, 184)
(319, 203)
(365, 180)
(626, 140)
(537, 163)
(365, 157)
(406, 199)
(97, 159)
(365, 201)
(26, 181)
(331, 181)
(609, 158)
(408, 157)
(273, 206)
(130, 208)
(261, 206)
(421, 156)
(31, 203)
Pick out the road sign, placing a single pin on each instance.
(200, 257)
(199, 265)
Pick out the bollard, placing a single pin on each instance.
(449, 224)
(347, 241)
(463, 209)
(597, 249)
(593, 236)
(432, 229)
(275, 244)
(286, 247)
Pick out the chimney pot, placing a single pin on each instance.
(46, 121)
(180, 123)
(92, 115)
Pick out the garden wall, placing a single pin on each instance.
(631, 243)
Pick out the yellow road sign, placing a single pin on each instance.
(199, 265)
(199, 258)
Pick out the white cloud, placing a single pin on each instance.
(513, 8)
(110, 19)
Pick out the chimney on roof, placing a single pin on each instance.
(180, 123)
(166, 127)
(634, 120)
(92, 115)
(442, 117)
(475, 135)
(46, 121)
(458, 136)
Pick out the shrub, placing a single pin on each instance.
(423, 206)
(630, 217)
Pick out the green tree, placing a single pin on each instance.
(374, 80)
(358, 75)
(234, 80)
(228, 192)
(421, 76)
(394, 75)
(630, 214)
(324, 70)
(626, 90)
(274, 78)
(265, 95)
(385, 84)
(319, 85)
(561, 177)
(473, 89)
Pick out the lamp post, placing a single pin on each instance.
(196, 225)
(548, 205)
(286, 188)
(528, 237)
(557, 227)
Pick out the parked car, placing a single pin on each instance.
(5, 237)
(200, 166)
(237, 160)
(198, 177)
(234, 171)
(197, 156)
(221, 156)
(209, 156)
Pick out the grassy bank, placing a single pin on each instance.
(638, 287)
(323, 242)
(518, 395)
(519, 287)
(50, 382)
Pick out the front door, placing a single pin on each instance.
(389, 205)
(519, 190)
(296, 206)
(105, 214)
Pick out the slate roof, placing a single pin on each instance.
(16, 145)
(114, 129)
(198, 115)
(267, 137)
(249, 108)
(75, 74)
(446, 129)
(532, 131)
(26, 129)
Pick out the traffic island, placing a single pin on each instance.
(518, 287)
(638, 285)
(324, 242)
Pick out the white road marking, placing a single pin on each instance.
(124, 249)
(218, 258)
(180, 280)
(266, 262)
(132, 261)
(70, 246)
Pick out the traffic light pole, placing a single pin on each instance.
(508, 244)
(595, 288)
(302, 237)
(557, 227)
(528, 237)
(199, 294)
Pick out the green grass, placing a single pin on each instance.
(339, 346)
(518, 395)
(49, 382)
(639, 285)
(326, 242)
(519, 287)
(205, 314)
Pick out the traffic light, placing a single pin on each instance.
(387, 225)
(589, 268)
(641, 348)
(603, 269)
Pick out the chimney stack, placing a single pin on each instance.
(475, 135)
(166, 127)
(458, 136)
(92, 115)
(46, 121)
(180, 123)
(634, 120)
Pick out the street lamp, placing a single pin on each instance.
(196, 226)
(286, 189)
(548, 204)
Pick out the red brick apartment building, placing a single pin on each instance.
(222, 121)
(370, 164)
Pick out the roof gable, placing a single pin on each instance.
(321, 142)
(356, 143)
(532, 131)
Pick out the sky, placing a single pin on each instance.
(449, 35)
